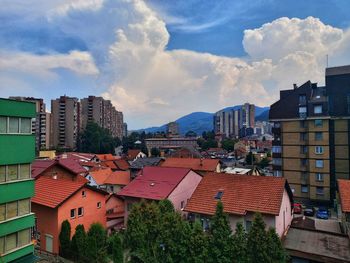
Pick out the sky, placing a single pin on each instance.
(158, 60)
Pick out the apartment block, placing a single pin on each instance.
(17, 152)
(311, 127)
(102, 112)
(173, 129)
(65, 122)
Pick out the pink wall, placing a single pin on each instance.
(184, 190)
(284, 219)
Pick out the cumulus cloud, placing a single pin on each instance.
(126, 46)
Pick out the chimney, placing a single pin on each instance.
(295, 86)
(201, 161)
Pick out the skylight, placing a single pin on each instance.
(219, 195)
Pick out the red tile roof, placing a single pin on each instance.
(196, 164)
(39, 166)
(155, 183)
(53, 192)
(344, 193)
(107, 176)
(241, 193)
(132, 153)
(72, 165)
(106, 157)
(110, 164)
(122, 164)
(101, 175)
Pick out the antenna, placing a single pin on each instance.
(327, 60)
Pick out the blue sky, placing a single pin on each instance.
(160, 59)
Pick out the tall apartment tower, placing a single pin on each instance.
(311, 127)
(17, 152)
(41, 124)
(65, 122)
(103, 113)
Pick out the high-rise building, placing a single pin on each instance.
(17, 152)
(311, 135)
(233, 123)
(41, 124)
(102, 112)
(65, 122)
(172, 129)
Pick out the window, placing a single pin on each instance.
(83, 193)
(13, 125)
(26, 125)
(318, 109)
(12, 172)
(11, 241)
(293, 190)
(3, 124)
(23, 237)
(23, 207)
(304, 176)
(303, 149)
(219, 195)
(182, 205)
(319, 190)
(248, 225)
(319, 149)
(277, 173)
(24, 171)
(302, 109)
(304, 189)
(319, 163)
(318, 136)
(302, 99)
(80, 211)
(319, 177)
(72, 213)
(302, 124)
(348, 100)
(11, 210)
(2, 212)
(98, 204)
(2, 245)
(276, 149)
(318, 123)
(303, 136)
(2, 173)
(303, 162)
(129, 206)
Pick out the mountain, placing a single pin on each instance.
(202, 121)
(263, 116)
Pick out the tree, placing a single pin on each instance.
(198, 244)
(250, 158)
(239, 248)
(79, 245)
(96, 243)
(277, 253)
(257, 241)
(191, 134)
(64, 238)
(228, 144)
(220, 247)
(155, 152)
(264, 162)
(117, 248)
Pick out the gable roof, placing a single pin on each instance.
(196, 164)
(132, 153)
(344, 193)
(139, 163)
(106, 157)
(241, 194)
(107, 176)
(70, 164)
(52, 192)
(39, 166)
(155, 183)
(122, 164)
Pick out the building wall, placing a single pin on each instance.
(184, 190)
(285, 217)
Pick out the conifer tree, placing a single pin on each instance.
(277, 253)
(257, 241)
(117, 249)
(79, 245)
(96, 244)
(198, 245)
(239, 248)
(64, 238)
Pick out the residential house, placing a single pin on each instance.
(58, 198)
(122, 164)
(114, 212)
(243, 196)
(196, 164)
(137, 165)
(134, 154)
(158, 183)
(109, 180)
(344, 196)
(184, 152)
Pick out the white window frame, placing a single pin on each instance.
(318, 149)
(319, 177)
(70, 213)
(82, 211)
(19, 125)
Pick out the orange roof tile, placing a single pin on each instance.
(106, 157)
(119, 178)
(344, 193)
(196, 164)
(101, 175)
(132, 153)
(53, 192)
(241, 193)
(122, 164)
(109, 164)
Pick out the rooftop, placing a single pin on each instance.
(155, 183)
(338, 70)
(196, 164)
(147, 161)
(240, 194)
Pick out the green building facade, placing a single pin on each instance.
(17, 152)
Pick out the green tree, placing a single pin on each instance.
(220, 247)
(155, 152)
(250, 158)
(117, 248)
(96, 244)
(264, 162)
(277, 253)
(198, 247)
(257, 241)
(239, 248)
(64, 238)
(191, 134)
(79, 245)
(228, 144)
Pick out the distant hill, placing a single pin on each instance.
(202, 121)
(264, 116)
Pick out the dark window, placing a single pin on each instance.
(348, 100)
(303, 162)
(80, 211)
(303, 149)
(248, 225)
(219, 195)
(302, 124)
(318, 123)
(304, 189)
(303, 136)
(318, 136)
(72, 213)
(182, 204)
(83, 193)
(302, 99)
(319, 177)
(319, 190)
(98, 204)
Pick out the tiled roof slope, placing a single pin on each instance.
(39, 166)
(107, 176)
(154, 183)
(52, 192)
(344, 192)
(196, 164)
(122, 164)
(241, 193)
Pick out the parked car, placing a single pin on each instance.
(297, 208)
(309, 211)
(322, 213)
